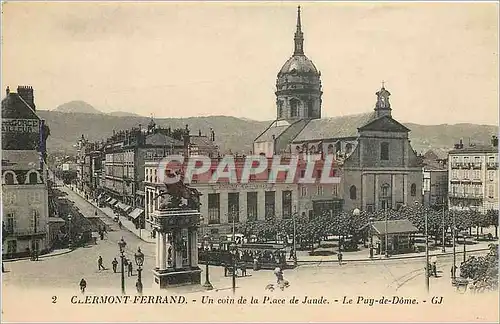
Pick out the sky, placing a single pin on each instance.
(168, 59)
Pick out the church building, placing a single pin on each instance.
(372, 152)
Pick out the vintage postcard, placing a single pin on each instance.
(250, 161)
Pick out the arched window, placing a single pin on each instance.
(297, 148)
(330, 149)
(384, 151)
(385, 190)
(294, 108)
(310, 109)
(352, 192)
(9, 178)
(312, 149)
(413, 190)
(337, 147)
(348, 148)
(33, 178)
(304, 148)
(280, 108)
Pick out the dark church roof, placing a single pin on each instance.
(15, 107)
(400, 226)
(386, 124)
(276, 129)
(334, 127)
(159, 139)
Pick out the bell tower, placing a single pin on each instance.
(298, 84)
(383, 105)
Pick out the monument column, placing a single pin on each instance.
(158, 252)
(194, 246)
(178, 254)
(163, 251)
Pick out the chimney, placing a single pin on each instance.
(494, 141)
(7, 91)
(199, 132)
(461, 144)
(26, 92)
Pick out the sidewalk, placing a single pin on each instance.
(44, 256)
(363, 255)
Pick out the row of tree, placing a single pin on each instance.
(483, 270)
(347, 224)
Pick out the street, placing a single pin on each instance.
(65, 271)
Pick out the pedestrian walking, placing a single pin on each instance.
(3, 269)
(99, 264)
(95, 213)
(339, 256)
(120, 224)
(434, 265)
(279, 274)
(115, 264)
(453, 271)
(129, 268)
(291, 254)
(83, 285)
(243, 269)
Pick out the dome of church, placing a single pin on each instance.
(298, 64)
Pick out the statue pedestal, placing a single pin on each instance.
(180, 228)
(170, 278)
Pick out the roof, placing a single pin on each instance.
(13, 106)
(160, 139)
(334, 127)
(386, 124)
(200, 141)
(476, 149)
(276, 129)
(299, 64)
(400, 226)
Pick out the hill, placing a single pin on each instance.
(233, 133)
(123, 114)
(77, 106)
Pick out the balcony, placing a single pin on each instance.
(476, 166)
(492, 165)
(465, 195)
(28, 233)
(456, 165)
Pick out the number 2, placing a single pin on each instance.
(54, 299)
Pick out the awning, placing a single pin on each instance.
(113, 201)
(136, 213)
(127, 208)
(108, 199)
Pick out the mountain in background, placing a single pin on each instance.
(77, 106)
(233, 133)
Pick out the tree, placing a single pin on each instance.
(482, 270)
(493, 220)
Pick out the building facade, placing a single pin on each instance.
(473, 177)
(435, 180)
(376, 163)
(24, 175)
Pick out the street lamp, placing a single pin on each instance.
(70, 245)
(444, 230)
(294, 236)
(371, 236)
(139, 260)
(207, 285)
(386, 232)
(121, 245)
(453, 236)
(426, 251)
(465, 240)
(233, 250)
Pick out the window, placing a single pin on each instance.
(477, 160)
(318, 173)
(9, 178)
(310, 109)
(214, 208)
(269, 202)
(286, 203)
(330, 149)
(369, 208)
(348, 148)
(384, 151)
(352, 192)
(280, 108)
(252, 206)
(294, 108)
(413, 190)
(233, 207)
(454, 174)
(34, 197)
(302, 173)
(385, 190)
(303, 191)
(491, 191)
(35, 220)
(466, 174)
(335, 190)
(491, 175)
(11, 222)
(9, 198)
(319, 190)
(312, 149)
(12, 247)
(477, 174)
